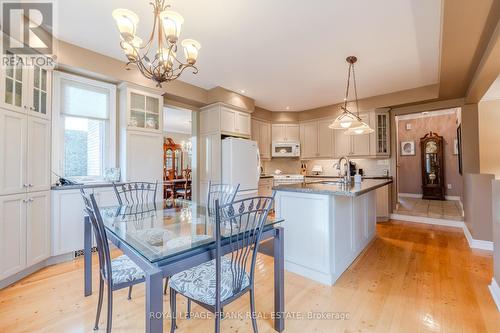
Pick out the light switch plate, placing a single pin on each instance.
(408, 126)
(450, 186)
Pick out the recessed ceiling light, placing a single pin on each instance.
(288, 108)
(242, 91)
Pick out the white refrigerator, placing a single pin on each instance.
(241, 165)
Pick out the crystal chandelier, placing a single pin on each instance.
(347, 120)
(186, 146)
(157, 59)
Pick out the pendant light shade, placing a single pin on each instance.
(364, 128)
(348, 120)
(345, 120)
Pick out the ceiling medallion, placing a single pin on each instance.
(348, 120)
(157, 58)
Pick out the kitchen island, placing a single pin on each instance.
(328, 224)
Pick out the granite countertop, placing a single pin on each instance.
(364, 177)
(351, 190)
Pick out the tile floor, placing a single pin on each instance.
(449, 209)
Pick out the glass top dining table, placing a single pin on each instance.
(160, 230)
(167, 237)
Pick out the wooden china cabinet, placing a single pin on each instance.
(172, 157)
(432, 167)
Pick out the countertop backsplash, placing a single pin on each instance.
(371, 167)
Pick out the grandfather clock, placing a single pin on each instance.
(432, 167)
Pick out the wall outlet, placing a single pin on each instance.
(450, 187)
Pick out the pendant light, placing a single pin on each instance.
(347, 120)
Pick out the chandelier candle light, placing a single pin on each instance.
(347, 120)
(157, 62)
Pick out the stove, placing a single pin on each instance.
(288, 179)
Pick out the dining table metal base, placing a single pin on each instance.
(156, 271)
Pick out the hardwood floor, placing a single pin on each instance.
(412, 278)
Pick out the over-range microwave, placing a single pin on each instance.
(286, 149)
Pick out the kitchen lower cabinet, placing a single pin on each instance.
(383, 203)
(12, 234)
(24, 231)
(38, 227)
(67, 217)
(266, 187)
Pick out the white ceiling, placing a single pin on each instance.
(493, 92)
(285, 52)
(176, 120)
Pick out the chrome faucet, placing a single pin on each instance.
(346, 179)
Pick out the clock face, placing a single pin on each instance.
(431, 147)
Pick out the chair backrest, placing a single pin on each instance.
(92, 210)
(224, 193)
(241, 222)
(134, 193)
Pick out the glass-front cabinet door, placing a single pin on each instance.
(40, 91)
(144, 112)
(382, 134)
(13, 85)
(25, 89)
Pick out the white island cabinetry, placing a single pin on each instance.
(326, 226)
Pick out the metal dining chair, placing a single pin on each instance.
(224, 279)
(224, 193)
(117, 273)
(135, 192)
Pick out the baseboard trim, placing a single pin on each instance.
(419, 196)
(428, 220)
(477, 243)
(473, 243)
(495, 292)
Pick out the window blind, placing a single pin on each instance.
(83, 100)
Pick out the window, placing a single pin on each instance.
(87, 127)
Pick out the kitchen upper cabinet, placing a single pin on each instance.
(225, 119)
(26, 89)
(243, 123)
(382, 134)
(13, 143)
(317, 139)
(342, 143)
(285, 132)
(38, 154)
(309, 140)
(355, 145)
(12, 234)
(38, 227)
(261, 132)
(141, 110)
(360, 144)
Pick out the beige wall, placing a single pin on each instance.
(478, 205)
(410, 180)
(489, 137)
(495, 198)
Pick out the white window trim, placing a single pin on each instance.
(58, 124)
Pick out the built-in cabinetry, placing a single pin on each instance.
(316, 139)
(319, 141)
(285, 132)
(141, 138)
(67, 217)
(25, 132)
(217, 120)
(261, 132)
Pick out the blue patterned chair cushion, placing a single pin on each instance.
(198, 283)
(125, 270)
